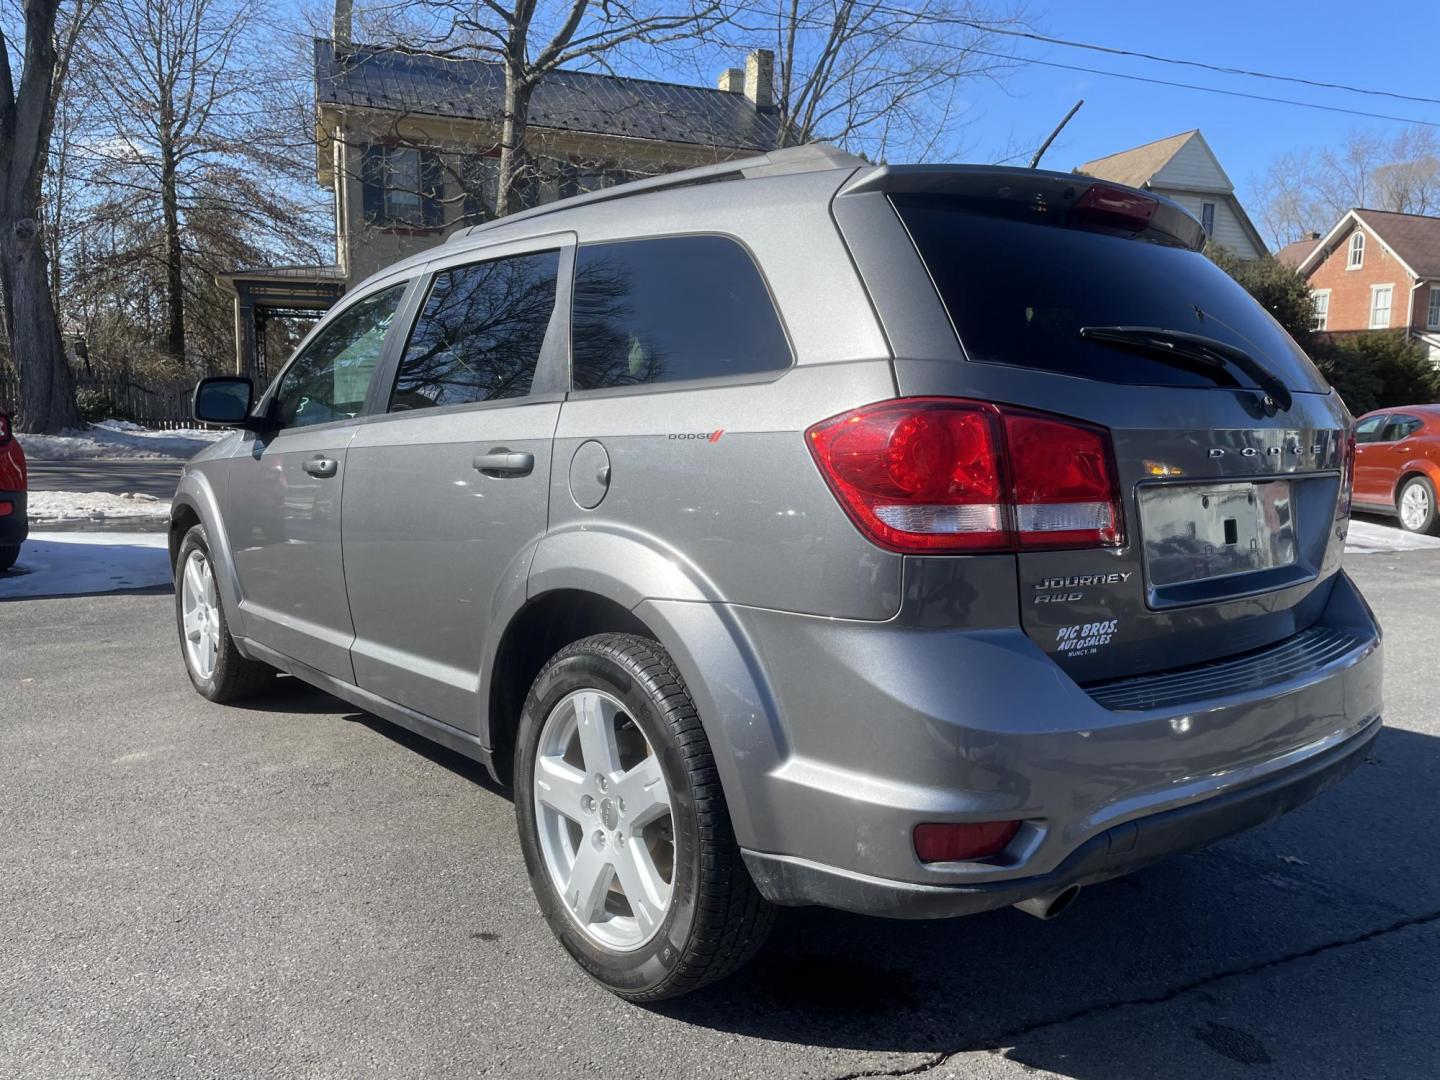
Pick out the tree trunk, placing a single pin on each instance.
(47, 391)
(513, 159)
(174, 283)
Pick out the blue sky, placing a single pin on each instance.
(1326, 40)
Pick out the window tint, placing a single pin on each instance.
(329, 380)
(1018, 291)
(1400, 426)
(480, 333)
(1368, 431)
(683, 307)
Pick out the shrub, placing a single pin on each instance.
(1278, 288)
(1379, 370)
(95, 405)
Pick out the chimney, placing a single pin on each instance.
(1312, 236)
(340, 24)
(760, 79)
(732, 81)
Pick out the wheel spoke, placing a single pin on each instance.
(597, 735)
(193, 623)
(208, 577)
(192, 578)
(588, 882)
(560, 786)
(644, 793)
(647, 892)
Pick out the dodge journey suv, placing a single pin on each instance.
(907, 540)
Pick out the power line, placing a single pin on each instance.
(1046, 39)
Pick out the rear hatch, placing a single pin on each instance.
(1091, 302)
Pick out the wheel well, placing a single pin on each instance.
(182, 520)
(538, 631)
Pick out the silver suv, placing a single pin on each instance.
(907, 540)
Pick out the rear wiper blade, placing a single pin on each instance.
(1165, 344)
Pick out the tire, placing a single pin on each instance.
(230, 677)
(713, 920)
(9, 553)
(1416, 506)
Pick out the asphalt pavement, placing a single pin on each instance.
(297, 889)
(156, 478)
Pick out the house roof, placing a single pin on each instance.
(401, 80)
(1414, 239)
(1136, 167)
(1295, 252)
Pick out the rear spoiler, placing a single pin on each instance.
(1033, 194)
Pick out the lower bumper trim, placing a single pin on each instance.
(795, 882)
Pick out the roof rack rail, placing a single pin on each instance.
(812, 157)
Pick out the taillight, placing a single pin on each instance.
(952, 842)
(944, 474)
(1347, 476)
(4, 429)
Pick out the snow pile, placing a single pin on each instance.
(76, 563)
(1371, 538)
(119, 439)
(52, 506)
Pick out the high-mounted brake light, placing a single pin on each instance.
(1117, 206)
(944, 474)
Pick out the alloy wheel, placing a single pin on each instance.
(200, 609)
(606, 831)
(1415, 507)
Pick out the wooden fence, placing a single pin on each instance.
(155, 403)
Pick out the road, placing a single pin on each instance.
(156, 478)
(297, 889)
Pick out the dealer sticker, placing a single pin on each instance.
(1085, 639)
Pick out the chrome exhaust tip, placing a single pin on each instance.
(1048, 905)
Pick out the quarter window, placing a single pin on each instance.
(480, 334)
(671, 309)
(331, 377)
(1321, 298)
(1380, 300)
(1357, 251)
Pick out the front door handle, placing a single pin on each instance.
(504, 462)
(321, 466)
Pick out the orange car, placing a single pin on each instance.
(1397, 465)
(12, 495)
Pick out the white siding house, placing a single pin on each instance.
(1185, 169)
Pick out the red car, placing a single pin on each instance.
(13, 523)
(1397, 465)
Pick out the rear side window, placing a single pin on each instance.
(1018, 292)
(669, 309)
(480, 334)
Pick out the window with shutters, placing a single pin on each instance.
(402, 186)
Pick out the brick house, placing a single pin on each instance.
(408, 142)
(1184, 169)
(1377, 270)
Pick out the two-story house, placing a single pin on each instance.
(1377, 270)
(408, 142)
(1184, 168)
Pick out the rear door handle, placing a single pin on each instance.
(504, 462)
(321, 466)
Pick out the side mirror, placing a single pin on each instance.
(224, 400)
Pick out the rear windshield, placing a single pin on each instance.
(1018, 293)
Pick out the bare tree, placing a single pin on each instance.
(877, 77)
(27, 112)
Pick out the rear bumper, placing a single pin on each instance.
(1119, 850)
(14, 526)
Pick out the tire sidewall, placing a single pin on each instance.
(1428, 525)
(646, 967)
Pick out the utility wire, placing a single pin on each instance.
(1046, 39)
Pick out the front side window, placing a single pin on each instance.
(1321, 298)
(1432, 318)
(671, 309)
(1380, 299)
(331, 377)
(480, 334)
(1357, 251)
(1368, 431)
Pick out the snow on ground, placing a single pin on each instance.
(1371, 538)
(76, 563)
(119, 439)
(99, 506)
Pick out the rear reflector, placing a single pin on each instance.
(945, 474)
(6, 508)
(953, 842)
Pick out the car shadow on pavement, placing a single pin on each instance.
(1262, 949)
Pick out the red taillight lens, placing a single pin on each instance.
(4, 428)
(1063, 482)
(1347, 476)
(934, 474)
(1117, 206)
(952, 842)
